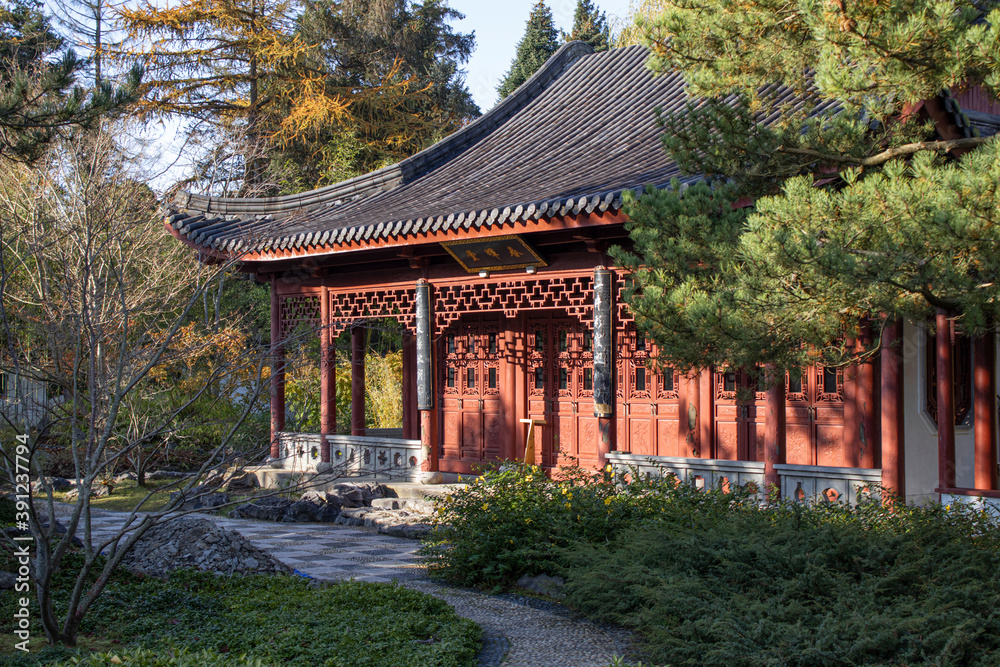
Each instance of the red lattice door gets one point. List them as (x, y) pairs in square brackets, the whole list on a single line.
[(739, 415), (648, 401), (561, 389), (473, 424), (814, 417)]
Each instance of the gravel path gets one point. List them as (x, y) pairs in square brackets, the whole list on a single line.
[(518, 631)]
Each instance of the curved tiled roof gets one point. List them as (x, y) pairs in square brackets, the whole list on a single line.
[(573, 138)]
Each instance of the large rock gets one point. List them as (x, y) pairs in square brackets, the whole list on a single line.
[(263, 509), (199, 498), (166, 474), (240, 479), (99, 491), (57, 484), (398, 523), (357, 495), (192, 542)]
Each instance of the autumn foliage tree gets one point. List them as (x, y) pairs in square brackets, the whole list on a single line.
[(825, 203)]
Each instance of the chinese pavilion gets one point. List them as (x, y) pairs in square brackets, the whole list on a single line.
[(489, 247)]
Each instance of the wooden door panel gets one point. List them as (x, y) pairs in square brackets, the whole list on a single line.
[(830, 444), (798, 443), (588, 438), (639, 439), (666, 436), (495, 431), (726, 440)]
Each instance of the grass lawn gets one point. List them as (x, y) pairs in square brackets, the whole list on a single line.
[(127, 495)]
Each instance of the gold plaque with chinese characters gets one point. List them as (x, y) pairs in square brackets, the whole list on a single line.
[(497, 253)]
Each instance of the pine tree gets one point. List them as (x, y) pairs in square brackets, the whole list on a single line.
[(39, 97), (858, 213), (590, 25), (537, 46)]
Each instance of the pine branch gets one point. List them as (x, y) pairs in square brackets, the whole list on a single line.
[(889, 154)]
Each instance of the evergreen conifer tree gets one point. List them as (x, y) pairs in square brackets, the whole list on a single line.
[(538, 44), (826, 204), (590, 25)]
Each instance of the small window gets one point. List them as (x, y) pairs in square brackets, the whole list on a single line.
[(668, 379), (829, 380), (563, 341), (640, 379), (493, 343), (451, 344), (472, 344), (563, 378), (588, 341), (795, 381), (470, 378), (493, 378), (540, 340), (539, 378), (588, 379), (729, 381), (640, 342), (451, 378)]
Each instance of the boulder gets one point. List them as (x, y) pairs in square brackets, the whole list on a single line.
[(263, 509), (192, 542), (57, 484), (386, 503), (543, 584), (240, 479), (166, 474), (98, 491), (125, 477), (199, 498)]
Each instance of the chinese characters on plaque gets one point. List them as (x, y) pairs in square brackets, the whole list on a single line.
[(497, 253)]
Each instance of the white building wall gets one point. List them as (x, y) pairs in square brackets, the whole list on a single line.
[(920, 437)]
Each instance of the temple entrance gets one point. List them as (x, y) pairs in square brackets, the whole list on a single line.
[(474, 429), (560, 388), (648, 400), (814, 416)]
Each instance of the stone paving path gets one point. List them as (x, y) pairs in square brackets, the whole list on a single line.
[(519, 631)]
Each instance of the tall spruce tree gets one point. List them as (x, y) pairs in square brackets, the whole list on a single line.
[(859, 213), (590, 25), (538, 44)]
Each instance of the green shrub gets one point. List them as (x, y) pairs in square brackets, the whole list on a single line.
[(515, 520), (795, 585), (167, 657)]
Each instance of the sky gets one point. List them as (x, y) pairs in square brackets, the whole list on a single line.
[(499, 26)]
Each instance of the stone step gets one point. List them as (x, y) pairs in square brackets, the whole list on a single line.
[(417, 491)]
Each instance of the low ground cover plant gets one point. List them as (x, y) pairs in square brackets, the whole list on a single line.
[(199, 618), (713, 578)]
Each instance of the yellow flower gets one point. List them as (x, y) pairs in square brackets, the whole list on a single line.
[(607, 501), (608, 467), (568, 506), (569, 496), (527, 520), (486, 506), (565, 490)]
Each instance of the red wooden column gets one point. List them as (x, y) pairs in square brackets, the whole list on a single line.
[(984, 358), (327, 379), (277, 371), (774, 428), (945, 402), (865, 397), (358, 380), (409, 385), (851, 456), (893, 455), (706, 413), (508, 390)]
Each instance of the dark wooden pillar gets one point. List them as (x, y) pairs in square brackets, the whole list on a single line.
[(410, 425), (327, 378), (893, 453), (774, 428), (426, 371), (358, 345), (605, 299), (852, 418), (277, 371), (706, 413), (945, 402), (984, 356)]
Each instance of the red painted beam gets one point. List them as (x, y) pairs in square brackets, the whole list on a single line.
[(358, 344), (984, 378), (945, 401), (774, 428), (893, 456), (277, 372), (327, 380)]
